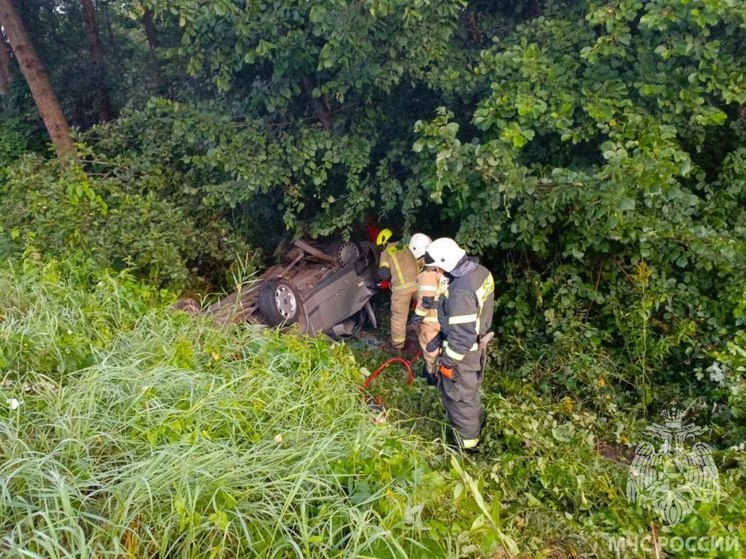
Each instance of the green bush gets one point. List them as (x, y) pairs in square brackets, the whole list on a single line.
[(16, 138), (600, 171), (554, 467), (63, 210)]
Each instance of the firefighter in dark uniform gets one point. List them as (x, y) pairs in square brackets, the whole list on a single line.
[(465, 315)]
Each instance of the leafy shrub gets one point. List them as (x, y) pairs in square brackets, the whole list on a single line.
[(61, 210), (16, 138), (554, 470), (212, 164), (600, 173)]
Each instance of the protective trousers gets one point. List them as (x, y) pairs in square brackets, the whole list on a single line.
[(461, 397), (428, 330), (401, 301)]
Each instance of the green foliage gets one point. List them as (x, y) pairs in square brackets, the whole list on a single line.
[(554, 469), (58, 315), (62, 211), (297, 123), (606, 179), (592, 153), (15, 140), (21, 127), (218, 165), (326, 39), (147, 432)]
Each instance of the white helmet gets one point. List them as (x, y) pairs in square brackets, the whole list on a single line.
[(418, 244), (444, 253)]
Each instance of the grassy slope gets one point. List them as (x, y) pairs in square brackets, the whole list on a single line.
[(154, 435), (145, 433)]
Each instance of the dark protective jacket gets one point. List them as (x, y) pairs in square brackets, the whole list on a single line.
[(465, 313)]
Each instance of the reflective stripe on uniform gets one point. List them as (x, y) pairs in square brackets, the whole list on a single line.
[(409, 285), (487, 287), (452, 354), (427, 296), (397, 268), (470, 443), (463, 319)]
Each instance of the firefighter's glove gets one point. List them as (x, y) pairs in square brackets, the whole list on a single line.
[(434, 344), (383, 274)]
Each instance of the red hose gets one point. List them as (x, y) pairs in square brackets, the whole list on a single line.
[(407, 366)]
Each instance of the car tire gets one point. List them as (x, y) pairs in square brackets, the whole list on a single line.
[(279, 302), (346, 252)]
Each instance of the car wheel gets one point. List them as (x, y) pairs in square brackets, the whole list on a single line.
[(279, 302), (346, 252)]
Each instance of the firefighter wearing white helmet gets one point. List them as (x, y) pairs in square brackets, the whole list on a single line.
[(430, 284), (418, 244), (398, 266), (465, 316)]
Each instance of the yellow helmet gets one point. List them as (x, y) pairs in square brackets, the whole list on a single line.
[(383, 237)]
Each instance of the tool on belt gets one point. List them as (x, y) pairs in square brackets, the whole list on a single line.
[(445, 371), (483, 343), (485, 340)]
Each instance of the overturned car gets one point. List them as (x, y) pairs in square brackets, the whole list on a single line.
[(318, 287)]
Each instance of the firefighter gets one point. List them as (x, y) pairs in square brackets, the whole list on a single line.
[(465, 316), (399, 267), (425, 317)]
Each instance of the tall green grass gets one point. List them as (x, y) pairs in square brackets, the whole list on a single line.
[(148, 433), (131, 431)]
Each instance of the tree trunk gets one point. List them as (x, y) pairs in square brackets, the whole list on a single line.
[(105, 110), (38, 81), (109, 30), (150, 32), (5, 76), (149, 25)]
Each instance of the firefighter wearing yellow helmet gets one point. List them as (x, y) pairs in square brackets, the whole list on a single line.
[(383, 238), (398, 266)]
